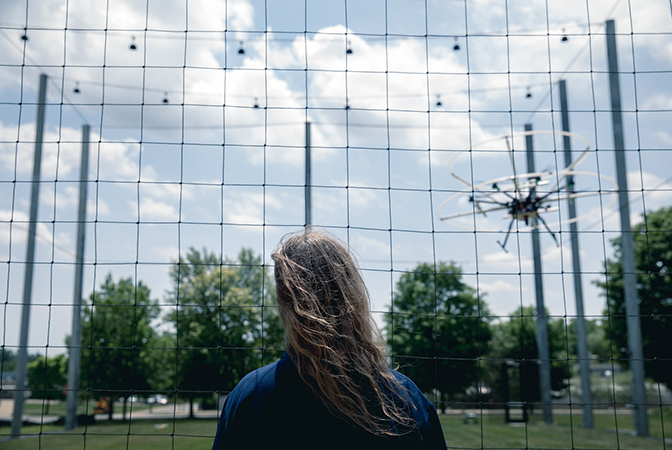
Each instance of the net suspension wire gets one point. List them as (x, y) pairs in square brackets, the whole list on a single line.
[(351, 229)]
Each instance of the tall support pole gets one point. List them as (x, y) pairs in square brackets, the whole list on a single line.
[(640, 419), (541, 322), (581, 335), (22, 356), (75, 357), (308, 200)]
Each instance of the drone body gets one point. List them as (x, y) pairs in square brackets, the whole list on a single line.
[(524, 198)]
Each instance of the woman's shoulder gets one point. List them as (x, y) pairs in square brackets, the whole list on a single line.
[(408, 384), (420, 404), (423, 412), (257, 383)]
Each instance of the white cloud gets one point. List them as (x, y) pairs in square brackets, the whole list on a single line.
[(662, 101), (362, 198), (152, 210), (165, 252), (19, 229), (654, 191), (369, 91), (247, 207), (366, 247), (64, 155), (499, 286)]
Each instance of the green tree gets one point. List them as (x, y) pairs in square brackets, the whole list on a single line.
[(117, 337), (8, 360), (161, 361), (598, 344), (46, 378), (653, 260), (224, 321), (515, 340), (438, 329)]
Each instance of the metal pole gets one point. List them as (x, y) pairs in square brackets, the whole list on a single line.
[(22, 356), (581, 335), (75, 356), (541, 322), (640, 419), (308, 201)]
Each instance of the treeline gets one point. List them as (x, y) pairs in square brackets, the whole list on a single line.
[(442, 334), (218, 321)]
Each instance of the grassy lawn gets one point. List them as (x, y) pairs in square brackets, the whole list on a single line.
[(492, 432), (488, 434), (621, 421), (140, 434)]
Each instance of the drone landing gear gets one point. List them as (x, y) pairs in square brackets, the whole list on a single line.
[(506, 238), (541, 219), (508, 233)]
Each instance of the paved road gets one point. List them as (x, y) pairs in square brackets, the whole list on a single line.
[(170, 411)]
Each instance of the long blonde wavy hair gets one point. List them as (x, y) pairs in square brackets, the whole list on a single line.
[(331, 336)]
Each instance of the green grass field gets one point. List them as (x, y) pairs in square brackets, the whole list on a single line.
[(567, 433), (491, 432), (139, 434)]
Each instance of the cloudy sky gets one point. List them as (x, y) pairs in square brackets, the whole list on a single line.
[(195, 143)]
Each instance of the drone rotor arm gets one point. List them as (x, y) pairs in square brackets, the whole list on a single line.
[(471, 213), (478, 205), (489, 195), (475, 187), (489, 202)]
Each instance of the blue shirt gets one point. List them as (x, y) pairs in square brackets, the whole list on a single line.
[(273, 408)]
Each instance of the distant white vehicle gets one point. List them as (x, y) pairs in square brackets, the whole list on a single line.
[(157, 399)]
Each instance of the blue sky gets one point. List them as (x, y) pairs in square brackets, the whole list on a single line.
[(232, 174)]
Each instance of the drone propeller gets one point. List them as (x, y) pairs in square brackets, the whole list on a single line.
[(562, 174), (572, 196), (517, 192), (526, 182)]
